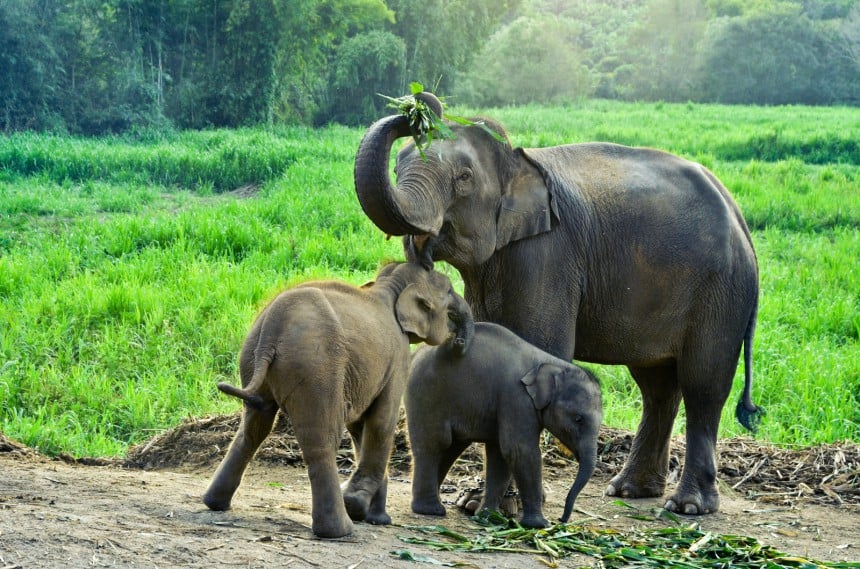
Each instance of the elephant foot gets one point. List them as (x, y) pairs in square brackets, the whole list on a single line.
[(694, 503), (534, 521), (217, 501), (378, 518), (357, 504), (358, 508), (472, 499), (332, 528), (429, 508), (626, 485)]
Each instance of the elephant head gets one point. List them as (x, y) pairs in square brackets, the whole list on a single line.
[(427, 307), (568, 399), (461, 200)]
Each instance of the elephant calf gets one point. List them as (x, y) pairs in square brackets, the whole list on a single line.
[(503, 393), (331, 355)]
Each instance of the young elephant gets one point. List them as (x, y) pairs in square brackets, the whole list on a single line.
[(502, 393), (331, 355)]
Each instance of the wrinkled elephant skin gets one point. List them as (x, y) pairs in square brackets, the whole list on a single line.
[(503, 393), (333, 356), (598, 252)]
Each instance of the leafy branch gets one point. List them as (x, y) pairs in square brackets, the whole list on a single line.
[(424, 124)]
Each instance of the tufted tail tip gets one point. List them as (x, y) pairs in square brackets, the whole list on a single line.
[(749, 415)]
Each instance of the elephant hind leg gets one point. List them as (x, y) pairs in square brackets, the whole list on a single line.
[(356, 507), (367, 491), (319, 430), (697, 490), (429, 468), (644, 474), (255, 427)]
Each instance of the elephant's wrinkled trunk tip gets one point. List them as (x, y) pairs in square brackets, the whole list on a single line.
[(459, 346), (568, 506), (419, 249), (432, 102), (587, 463)]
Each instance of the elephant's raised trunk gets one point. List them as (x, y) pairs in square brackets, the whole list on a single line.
[(392, 209), (587, 462)]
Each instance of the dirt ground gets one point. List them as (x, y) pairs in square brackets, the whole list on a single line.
[(145, 510)]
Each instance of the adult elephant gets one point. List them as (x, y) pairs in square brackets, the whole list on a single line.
[(598, 252)]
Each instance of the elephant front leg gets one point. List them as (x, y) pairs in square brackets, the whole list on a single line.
[(527, 473), (644, 474), (255, 427)]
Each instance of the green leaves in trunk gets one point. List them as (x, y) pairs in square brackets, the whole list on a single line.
[(424, 124)]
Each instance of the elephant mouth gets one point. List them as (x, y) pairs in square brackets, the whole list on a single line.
[(419, 248), (419, 241)]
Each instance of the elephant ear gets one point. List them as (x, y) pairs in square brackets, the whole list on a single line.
[(527, 207), (413, 309), (541, 384)]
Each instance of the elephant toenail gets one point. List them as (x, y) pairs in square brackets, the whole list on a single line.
[(691, 509), (610, 490)]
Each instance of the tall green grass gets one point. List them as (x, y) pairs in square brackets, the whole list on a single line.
[(130, 270), (813, 135), (218, 160)]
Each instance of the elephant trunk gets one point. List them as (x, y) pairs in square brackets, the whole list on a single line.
[(461, 315), (587, 463), (396, 211)]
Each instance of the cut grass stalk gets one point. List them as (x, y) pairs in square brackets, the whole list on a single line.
[(679, 546)]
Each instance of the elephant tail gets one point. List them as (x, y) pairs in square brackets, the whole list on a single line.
[(250, 394), (747, 413)]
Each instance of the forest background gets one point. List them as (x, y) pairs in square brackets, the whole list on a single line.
[(106, 66)]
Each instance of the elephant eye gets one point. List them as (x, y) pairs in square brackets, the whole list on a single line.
[(425, 305), (464, 176), (577, 419)]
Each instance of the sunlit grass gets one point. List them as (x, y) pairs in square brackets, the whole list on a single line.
[(130, 271), (814, 135)]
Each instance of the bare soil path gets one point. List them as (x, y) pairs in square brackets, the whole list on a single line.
[(145, 510)]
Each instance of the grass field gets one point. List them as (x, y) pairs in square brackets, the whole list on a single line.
[(131, 268)]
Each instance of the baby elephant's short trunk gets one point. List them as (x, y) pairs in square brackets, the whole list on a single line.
[(587, 462)]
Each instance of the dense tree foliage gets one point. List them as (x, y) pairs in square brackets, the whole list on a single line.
[(543, 53), (777, 56), (366, 65), (730, 51), (96, 66)]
